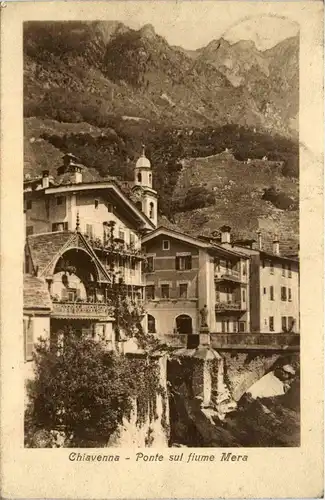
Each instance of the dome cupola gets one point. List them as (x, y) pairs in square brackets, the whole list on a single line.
[(142, 171)]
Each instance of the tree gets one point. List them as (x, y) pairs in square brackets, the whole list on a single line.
[(79, 387)]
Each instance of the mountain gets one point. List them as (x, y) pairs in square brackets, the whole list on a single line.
[(100, 89), (271, 77)]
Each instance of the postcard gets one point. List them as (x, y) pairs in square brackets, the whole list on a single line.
[(162, 243)]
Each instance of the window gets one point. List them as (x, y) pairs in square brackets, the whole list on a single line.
[(289, 295), (29, 230), (289, 271), (121, 234), (166, 245), (217, 264), (139, 177), (244, 268), (244, 295), (271, 323), (291, 323), (284, 324), (59, 226), (225, 326), (271, 268), (183, 290), (283, 270), (271, 292), (132, 267), (132, 239), (151, 211), (29, 204), (150, 179), (183, 263), (150, 292), (235, 327), (242, 326), (264, 291), (165, 291), (28, 338), (96, 203), (150, 265), (89, 230), (283, 293), (151, 324), (59, 200)]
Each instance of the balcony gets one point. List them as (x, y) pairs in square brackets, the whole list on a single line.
[(221, 307), (81, 310), (227, 275)]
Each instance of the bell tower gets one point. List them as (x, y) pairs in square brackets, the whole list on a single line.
[(146, 197)]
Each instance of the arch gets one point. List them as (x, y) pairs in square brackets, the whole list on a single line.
[(151, 322), (139, 177), (184, 324), (80, 259)]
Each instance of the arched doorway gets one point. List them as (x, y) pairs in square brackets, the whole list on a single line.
[(151, 324), (184, 324)]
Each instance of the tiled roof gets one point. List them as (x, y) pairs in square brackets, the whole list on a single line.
[(44, 247), (36, 294)]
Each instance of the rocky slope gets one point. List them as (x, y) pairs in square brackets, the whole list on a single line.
[(99, 90)]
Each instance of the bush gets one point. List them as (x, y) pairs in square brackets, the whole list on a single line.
[(279, 199), (82, 388), (197, 197)]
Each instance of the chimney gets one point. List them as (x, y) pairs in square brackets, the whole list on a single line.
[(276, 246), (45, 179), (76, 174), (259, 240), (225, 234)]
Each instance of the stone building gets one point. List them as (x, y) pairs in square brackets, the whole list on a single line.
[(194, 286), (274, 285), (83, 236)]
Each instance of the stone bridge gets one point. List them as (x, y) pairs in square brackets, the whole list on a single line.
[(236, 341), (211, 378)]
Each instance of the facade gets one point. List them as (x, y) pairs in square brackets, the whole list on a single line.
[(194, 286), (83, 237), (274, 286)]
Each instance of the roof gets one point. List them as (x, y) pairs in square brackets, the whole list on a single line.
[(255, 251), (191, 240), (113, 186), (36, 294), (44, 247)]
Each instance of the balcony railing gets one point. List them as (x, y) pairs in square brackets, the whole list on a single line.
[(255, 340), (81, 310), (227, 275), (229, 306)]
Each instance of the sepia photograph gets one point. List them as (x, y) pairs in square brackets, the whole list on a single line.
[(161, 260), (162, 249)]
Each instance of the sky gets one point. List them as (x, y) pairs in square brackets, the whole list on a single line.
[(192, 24)]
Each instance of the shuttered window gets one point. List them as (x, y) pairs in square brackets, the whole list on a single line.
[(28, 338)]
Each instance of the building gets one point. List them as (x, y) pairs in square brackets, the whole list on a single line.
[(194, 286), (83, 237), (274, 285)]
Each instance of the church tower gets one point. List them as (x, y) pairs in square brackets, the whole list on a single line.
[(146, 197)]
